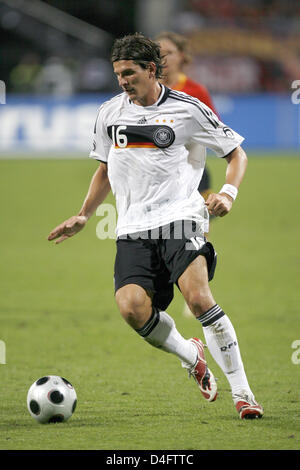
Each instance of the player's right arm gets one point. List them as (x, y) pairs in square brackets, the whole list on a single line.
[(98, 190)]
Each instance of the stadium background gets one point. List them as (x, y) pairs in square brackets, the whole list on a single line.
[(55, 64), (56, 303)]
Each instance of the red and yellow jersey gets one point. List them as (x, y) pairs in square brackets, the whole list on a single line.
[(197, 90)]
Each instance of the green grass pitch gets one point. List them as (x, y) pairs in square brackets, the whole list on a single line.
[(58, 316)]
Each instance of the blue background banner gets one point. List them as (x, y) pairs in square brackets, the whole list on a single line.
[(35, 124)]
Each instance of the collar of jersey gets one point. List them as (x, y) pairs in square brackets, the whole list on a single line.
[(161, 99)]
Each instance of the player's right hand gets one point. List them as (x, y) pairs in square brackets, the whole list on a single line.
[(68, 228)]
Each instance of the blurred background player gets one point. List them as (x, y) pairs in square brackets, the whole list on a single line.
[(175, 49)]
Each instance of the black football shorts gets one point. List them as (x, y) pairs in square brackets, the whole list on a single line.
[(155, 259)]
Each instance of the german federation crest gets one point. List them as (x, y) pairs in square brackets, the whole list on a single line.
[(163, 136)]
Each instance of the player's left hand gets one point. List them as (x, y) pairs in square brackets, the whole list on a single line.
[(219, 204)]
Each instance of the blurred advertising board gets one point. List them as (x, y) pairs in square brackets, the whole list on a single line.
[(37, 125)]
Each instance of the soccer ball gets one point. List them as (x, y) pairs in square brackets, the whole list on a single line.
[(51, 399)]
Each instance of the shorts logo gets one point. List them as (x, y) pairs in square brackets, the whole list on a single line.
[(163, 136), (195, 243)]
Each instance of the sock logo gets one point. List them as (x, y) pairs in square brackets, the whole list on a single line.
[(218, 328), (225, 348)]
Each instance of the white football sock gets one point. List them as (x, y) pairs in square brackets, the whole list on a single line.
[(222, 343), (160, 331)]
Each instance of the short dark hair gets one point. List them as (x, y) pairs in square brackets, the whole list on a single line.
[(140, 49)]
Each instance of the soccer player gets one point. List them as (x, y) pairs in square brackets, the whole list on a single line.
[(139, 140), (175, 51)]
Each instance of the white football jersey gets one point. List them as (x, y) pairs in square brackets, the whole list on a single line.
[(153, 176)]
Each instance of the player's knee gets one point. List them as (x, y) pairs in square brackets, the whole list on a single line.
[(199, 302), (133, 303)]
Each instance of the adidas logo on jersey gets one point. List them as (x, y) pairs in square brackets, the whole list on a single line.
[(143, 120)]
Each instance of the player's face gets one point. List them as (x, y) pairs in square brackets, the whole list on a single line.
[(134, 80), (172, 56)]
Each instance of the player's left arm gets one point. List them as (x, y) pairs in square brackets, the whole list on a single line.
[(221, 203)]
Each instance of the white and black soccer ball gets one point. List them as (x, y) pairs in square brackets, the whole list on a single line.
[(51, 399)]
